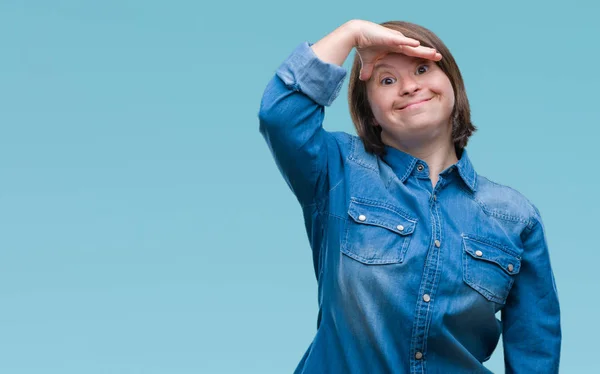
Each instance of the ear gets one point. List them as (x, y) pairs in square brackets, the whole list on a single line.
[(374, 122)]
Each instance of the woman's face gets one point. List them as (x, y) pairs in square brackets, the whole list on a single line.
[(411, 99)]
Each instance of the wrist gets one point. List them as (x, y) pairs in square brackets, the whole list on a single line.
[(351, 29), (335, 47)]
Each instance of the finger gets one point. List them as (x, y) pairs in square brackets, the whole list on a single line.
[(423, 52), (407, 41), (403, 40), (365, 72)]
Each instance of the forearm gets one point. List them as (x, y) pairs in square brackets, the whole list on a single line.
[(291, 115), (337, 45), (531, 315)]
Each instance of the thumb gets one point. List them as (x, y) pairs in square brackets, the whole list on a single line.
[(365, 72)]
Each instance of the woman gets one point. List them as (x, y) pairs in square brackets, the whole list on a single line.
[(414, 252)]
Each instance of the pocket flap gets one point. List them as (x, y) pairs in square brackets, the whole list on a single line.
[(370, 213), (493, 252)]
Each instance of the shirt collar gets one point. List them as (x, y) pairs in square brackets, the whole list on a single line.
[(403, 165), (467, 171)]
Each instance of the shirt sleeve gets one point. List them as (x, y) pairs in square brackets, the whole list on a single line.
[(531, 316), (291, 117)]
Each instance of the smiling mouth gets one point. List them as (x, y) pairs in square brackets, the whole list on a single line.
[(413, 104)]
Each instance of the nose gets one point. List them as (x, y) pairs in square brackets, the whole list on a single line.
[(408, 86)]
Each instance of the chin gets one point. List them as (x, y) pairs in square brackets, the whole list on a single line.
[(416, 129), (418, 124)]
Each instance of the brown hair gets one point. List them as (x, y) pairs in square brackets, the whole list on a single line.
[(360, 110)]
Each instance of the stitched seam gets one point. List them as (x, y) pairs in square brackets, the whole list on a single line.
[(335, 215), (440, 221), (492, 262), (373, 261), (482, 290), (531, 207), (337, 184), (418, 309), (531, 225), (409, 170), (493, 213), (435, 280), (384, 224), (493, 244), (380, 204), (358, 160), (492, 295)]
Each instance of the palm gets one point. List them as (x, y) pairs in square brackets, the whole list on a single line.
[(375, 41)]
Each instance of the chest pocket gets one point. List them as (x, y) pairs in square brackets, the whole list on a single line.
[(489, 268), (377, 233)]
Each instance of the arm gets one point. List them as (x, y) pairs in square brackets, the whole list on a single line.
[(531, 317), (292, 110)]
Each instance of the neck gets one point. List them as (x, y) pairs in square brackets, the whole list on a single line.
[(438, 153)]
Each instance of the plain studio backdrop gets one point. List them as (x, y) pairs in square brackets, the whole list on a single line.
[(144, 226)]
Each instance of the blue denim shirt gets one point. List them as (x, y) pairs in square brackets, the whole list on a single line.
[(410, 277)]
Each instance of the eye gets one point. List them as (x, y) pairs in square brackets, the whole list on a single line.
[(422, 69), (387, 81)]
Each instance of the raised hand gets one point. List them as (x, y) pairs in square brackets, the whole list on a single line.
[(373, 41)]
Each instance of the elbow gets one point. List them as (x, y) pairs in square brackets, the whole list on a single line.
[(266, 117), (270, 114)]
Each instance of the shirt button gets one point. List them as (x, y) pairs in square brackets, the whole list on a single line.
[(434, 197), (400, 228), (510, 267), (362, 217), (420, 167), (478, 253), (418, 355), (437, 243), (426, 298)]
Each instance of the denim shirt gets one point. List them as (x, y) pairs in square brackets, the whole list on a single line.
[(411, 278)]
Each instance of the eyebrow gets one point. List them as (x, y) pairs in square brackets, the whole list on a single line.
[(417, 61)]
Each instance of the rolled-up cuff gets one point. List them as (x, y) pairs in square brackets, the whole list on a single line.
[(303, 71)]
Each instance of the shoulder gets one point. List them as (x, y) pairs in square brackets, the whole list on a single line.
[(345, 143), (504, 202), (343, 138)]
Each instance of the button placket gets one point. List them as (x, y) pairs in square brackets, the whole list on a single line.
[(429, 280)]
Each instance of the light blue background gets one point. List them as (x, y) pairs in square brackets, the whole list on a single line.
[(144, 227)]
